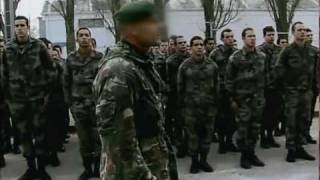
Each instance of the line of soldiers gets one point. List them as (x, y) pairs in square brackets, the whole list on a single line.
[(142, 105)]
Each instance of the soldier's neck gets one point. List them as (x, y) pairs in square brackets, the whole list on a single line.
[(197, 59), (300, 43), (138, 47), (84, 51), (22, 40)]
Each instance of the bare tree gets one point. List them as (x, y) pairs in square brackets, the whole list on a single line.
[(282, 13), (66, 9), (218, 14)]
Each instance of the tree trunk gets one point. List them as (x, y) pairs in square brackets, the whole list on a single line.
[(115, 6), (160, 4), (69, 23), (208, 17)]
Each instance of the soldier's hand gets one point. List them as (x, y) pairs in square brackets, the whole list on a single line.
[(150, 177), (234, 106)]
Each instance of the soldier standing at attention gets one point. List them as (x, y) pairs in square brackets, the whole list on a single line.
[(198, 90), (273, 96), (225, 122), (130, 117), (295, 70), (173, 121), (3, 110), (29, 82), (309, 138), (79, 72), (209, 45), (245, 84)]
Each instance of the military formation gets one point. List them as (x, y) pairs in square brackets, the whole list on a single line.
[(146, 101)]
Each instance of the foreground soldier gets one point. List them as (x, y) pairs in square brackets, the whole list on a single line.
[(173, 121), (79, 72), (273, 96), (295, 70), (245, 83), (198, 91), (3, 112), (29, 83), (130, 118), (225, 122)]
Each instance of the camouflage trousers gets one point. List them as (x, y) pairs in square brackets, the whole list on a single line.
[(199, 121), (121, 165), (3, 118), (29, 118), (83, 112), (297, 111), (248, 117), (312, 107)]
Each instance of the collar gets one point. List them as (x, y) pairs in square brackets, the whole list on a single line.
[(247, 51), (130, 51)]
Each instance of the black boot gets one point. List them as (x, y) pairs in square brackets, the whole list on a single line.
[(310, 140), (214, 138), (204, 165), (96, 169), (291, 156), (31, 172), (42, 173), (264, 143), (272, 143), (194, 168), (302, 154), (277, 132), (230, 145), (2, 161), (53, 159), (16, 148), (244, 161), (87, 173), (254, 160), (222, 145), (182, 152)]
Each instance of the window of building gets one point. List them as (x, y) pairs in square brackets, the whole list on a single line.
[(91, 23)]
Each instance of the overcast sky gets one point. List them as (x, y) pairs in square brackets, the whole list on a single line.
[(31, 9)]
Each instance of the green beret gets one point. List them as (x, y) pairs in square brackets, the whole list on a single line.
[(135, 11)]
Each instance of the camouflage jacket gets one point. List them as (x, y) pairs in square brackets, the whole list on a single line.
[(220, 56), (78, 76), (272, 54), (57, 94), (246, 73), (173, 62), (160, 65), (130, 118), (295, 67), (30, 71), (198, 83)]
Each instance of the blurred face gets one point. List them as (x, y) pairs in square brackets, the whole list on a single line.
[(283, 43), (210, 45), (309, 37), (164, 47), (250, 39), (84, 38), (55, 55), (21, 28), (228, 39), (181, 45), (197, 48), (1, 47), (146, 32), (269, 37), (299, 32)]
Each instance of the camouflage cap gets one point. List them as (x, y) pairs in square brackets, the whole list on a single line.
[(135, 11)]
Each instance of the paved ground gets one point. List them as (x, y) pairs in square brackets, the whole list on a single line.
[(226, 166)]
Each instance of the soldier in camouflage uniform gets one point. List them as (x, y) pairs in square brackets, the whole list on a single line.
[(273, 96), (209, 45), (160, 60), (315, 92), (130, 118), (198, 91), (79, 72), (174, 123), (3, 114), (295, 71), (245, 84), (225, 122), (28, 84)]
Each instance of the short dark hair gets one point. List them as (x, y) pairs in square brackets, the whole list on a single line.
[(195, 38), (244, 32), (293, 27), (175, 40), (279, 39), (308, 30), (94, 42), (22, 18), (45, 41), (83, 28), (224, 31), (57, 47), (207, 40), (267, 29)]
